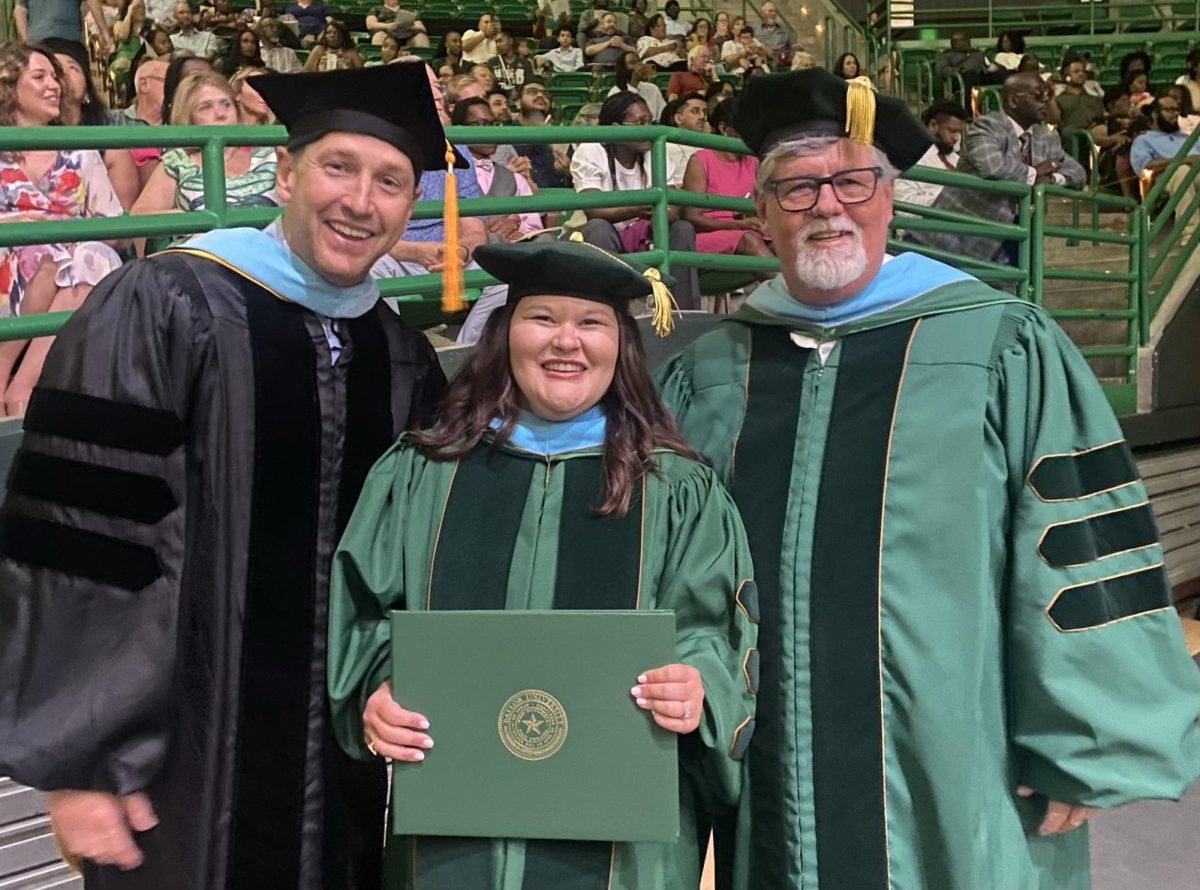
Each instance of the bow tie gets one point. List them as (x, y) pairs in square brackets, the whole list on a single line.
[(483, 164)]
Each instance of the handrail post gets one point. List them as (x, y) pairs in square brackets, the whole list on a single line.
[(213, 174), (1029, 252), (660, 223), (1146, 306)]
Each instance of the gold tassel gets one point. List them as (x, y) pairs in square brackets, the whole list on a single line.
[(452, 286), (860, 110), (661, 303)]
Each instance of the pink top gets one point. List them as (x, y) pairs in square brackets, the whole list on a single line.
[(734, 179)]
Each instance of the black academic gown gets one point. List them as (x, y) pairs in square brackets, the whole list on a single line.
[(190, 460)]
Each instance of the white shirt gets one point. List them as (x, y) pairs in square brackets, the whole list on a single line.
[(590, 171), (483, 51), (652, 94), (202, 43), (662, 60), (564, 59), (161, 12), (677, 158), (677, 27), (925, 193)]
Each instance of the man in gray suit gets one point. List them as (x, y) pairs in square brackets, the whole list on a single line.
[(1013, 144)]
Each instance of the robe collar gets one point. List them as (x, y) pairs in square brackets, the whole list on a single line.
[(265, 257), (546, 437)]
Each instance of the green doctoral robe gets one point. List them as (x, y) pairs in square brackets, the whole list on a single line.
[(503, 528), (961, 587)]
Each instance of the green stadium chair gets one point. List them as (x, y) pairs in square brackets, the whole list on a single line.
[(570, 95), (721, 281), (1138, 19), (570, 79)]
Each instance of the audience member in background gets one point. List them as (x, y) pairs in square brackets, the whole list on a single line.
[(565, 56), (276, 56), (658, 49), (1014, 145), (589, 22), (1187, 111), (479, 44), (391, 50), (158, 44), (971, 64), (639, 20), (632, 77), (1030, 64), (334, 50), (1118, 132), (220, 20), (178, 183), (945, 123), (483, 74), (187, 37), (1153, 151), (1137, 82), (389, 18), (161, 12), (699, 74), (1009, 50), (1090, 85), (450, 53), (746, 54), (701, 33), (1078, 109), (496, 180), (847, 66), (81, 105), (607, 47), (718, 91), (718, 172), (146, 107), (127, 45), (549, 165), (509, 69), (43, 19), (463, 86), (245, 52), (625, 166), (687, 112), (775, 35), (497, 99), (676, 25), (1132, 63), (252, 108), (721, 31), (802, 60), (44, 185), (312, 17), (1191, 80)]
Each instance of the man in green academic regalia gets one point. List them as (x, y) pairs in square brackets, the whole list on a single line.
[(967, 640)]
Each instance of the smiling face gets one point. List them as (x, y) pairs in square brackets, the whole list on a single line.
[(39, 93), (831, 251), (563, 354), (347, 200)]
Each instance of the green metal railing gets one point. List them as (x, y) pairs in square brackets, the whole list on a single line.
[(1143, 275), (1093, 19)]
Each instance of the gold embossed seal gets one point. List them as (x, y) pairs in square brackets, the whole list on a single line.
[(532, 725)]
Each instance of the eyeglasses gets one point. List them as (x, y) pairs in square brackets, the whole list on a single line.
[(800, 193)]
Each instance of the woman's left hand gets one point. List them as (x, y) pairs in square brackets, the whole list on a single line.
[(674, 696)]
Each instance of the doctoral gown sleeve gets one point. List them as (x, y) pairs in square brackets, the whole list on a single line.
[(367, 583), (708, 582), (1102, 693), (91, 542)]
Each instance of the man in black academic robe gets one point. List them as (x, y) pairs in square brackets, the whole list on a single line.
[(198, 440)]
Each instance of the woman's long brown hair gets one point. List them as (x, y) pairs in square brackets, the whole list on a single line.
[(636, 421)]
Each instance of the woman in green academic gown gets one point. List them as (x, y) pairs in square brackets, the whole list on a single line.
[(555, 479)]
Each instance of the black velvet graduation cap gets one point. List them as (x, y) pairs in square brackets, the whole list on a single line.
[(813, 102), (393, 103), (577, 269)]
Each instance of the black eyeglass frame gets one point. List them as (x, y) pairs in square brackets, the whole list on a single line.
[(820, 182)]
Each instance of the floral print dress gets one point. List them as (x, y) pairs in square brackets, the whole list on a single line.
[(76, 186)]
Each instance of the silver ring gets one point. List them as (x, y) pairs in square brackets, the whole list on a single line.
[(687, 711)]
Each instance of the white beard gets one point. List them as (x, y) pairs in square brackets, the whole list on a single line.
[(824, 268)]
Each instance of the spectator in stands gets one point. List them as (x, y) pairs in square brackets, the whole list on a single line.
[(607, 47), (178, 183), (802, 60), (847, 66), (391, 50), (245, 52), (1153, 151), (944, 120), (657, 49), (1114, 138), (199, 43), (686, 112), (1015, 145), (745, 53), (775, 35), (463, 86), (699, 74), (717, 93), (563, 57), (639, 21), (1191, 80), (718, 172), (1030, 64), (276, 56), (44, 185), (624, 166), (146, 107), (1009, 50), (158, 44), (389, 18), (970, 64), (497, 98), (632, 77), (701, 33), (509, 69), (182, 67), (483, 74), (1078, 109), (221, 20), (676, 26), (334, 50), (589, 22), (312, 17), (721, 31), (1187, 111), (41, 19), (1134, 62), (479, 44), (496, 180), (450, 54), (1137, 83), (549, 165), (252, 108), (128, 45)]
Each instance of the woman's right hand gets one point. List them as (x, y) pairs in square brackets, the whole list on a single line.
[(391, 731)]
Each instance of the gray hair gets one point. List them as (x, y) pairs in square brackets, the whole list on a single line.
[(806, 146)]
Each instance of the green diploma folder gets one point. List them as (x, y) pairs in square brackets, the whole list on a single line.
[(535, 732)]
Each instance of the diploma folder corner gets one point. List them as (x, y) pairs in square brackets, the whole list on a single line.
[(535, 732)]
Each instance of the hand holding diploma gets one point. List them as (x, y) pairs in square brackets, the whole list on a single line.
[(674, 695), (391, 731)]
